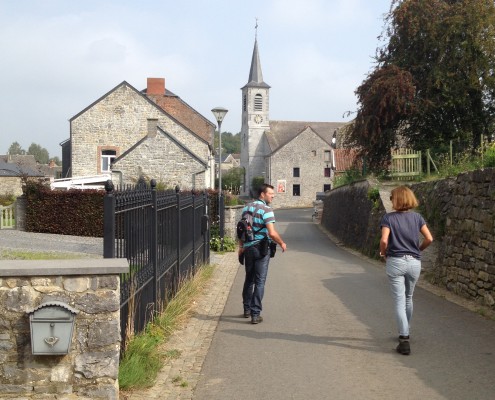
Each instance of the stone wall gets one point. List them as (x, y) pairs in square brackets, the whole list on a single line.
[(461, 215), (305, 152), (349, 215), (10, 185), (90, 369), (118, 122), (461, 212), (232, 215)]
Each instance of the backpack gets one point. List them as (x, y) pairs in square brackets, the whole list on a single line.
[(245, 232)]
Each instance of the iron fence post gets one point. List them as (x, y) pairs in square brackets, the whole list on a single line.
[(154, 244), (177, 273), (206, 233), (109, 221), (193, 232)]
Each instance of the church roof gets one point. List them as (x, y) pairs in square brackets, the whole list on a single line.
[(282, 132), (255, 74)]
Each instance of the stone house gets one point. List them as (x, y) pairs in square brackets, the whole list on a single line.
[(296, 157), (151, 133), (15, 168)]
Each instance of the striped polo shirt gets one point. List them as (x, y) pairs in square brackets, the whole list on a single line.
[(262, 215)]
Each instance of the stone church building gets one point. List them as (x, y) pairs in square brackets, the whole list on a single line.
[(151, 133), (296, 157)]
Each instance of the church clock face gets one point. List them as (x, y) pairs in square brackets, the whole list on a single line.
[(258, 119)]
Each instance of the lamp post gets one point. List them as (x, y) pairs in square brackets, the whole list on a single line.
[(219, 113)]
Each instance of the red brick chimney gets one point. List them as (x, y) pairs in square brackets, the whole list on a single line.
[(156, 86)]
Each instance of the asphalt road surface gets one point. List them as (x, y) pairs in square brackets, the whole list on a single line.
[(329, 333)]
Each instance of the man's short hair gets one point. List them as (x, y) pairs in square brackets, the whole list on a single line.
[(263, 188)]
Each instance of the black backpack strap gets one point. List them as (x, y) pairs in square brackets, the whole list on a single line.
[(255, 232)]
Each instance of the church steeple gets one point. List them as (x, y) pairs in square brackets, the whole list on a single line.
[(255, 74), (255, 122)]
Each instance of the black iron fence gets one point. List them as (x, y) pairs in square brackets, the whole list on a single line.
[(164, 235)]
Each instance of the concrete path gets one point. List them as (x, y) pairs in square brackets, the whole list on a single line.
[(329, 333)]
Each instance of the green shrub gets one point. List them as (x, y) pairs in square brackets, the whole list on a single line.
[(7, 199), (229, 244), (348, 177), (374, 197), (489, 156)]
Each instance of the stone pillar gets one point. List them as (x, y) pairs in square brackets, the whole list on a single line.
[(90, 369)]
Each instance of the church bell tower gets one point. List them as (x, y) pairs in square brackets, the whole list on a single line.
[(255, 121)]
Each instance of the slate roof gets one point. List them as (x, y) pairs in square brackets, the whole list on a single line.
[(255, 75), (282, 132), (11, 169)]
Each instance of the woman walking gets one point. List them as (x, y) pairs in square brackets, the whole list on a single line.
[(400, 245)]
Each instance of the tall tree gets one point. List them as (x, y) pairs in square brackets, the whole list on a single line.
[(16, 149), (40, 153), (230, 143), (447, 48)]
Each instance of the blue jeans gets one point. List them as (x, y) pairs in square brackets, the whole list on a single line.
[(403, 274), (256, 267)]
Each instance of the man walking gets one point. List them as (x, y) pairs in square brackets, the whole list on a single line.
[(257, 252)]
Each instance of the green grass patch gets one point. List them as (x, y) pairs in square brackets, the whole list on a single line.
[(36, 255), (142, 358)]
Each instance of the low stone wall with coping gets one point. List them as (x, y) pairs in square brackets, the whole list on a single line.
[(90, 369), (459, 211)]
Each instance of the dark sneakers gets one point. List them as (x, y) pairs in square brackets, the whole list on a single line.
[(256, 319), (247, 313), (404, 348)]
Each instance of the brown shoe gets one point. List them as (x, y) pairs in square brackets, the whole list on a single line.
[(256, 319)]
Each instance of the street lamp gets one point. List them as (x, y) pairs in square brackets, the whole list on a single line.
[(219, 113)]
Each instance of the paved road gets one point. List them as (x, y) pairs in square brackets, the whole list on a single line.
[(44, 242), (329, 333)]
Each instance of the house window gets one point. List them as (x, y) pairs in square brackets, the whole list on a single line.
[(295, 174), (314, 153), (327, 156), (296, 190), (258, 102), (107, 157), (327, 187), (244, 103), (326, 173)]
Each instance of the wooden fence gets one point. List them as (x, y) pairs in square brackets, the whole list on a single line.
[(406, 164), (7, 220)]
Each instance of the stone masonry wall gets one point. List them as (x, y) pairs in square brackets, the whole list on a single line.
[(120, 120), (353, 218), (10, 185), (299, 154), (90, 370), (461, 215), (160, 159)]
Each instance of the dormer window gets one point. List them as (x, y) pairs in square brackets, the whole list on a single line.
[(258, 102)]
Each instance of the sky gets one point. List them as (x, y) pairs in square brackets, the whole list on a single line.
[(59, 56)]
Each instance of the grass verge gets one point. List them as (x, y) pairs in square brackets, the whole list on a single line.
[(142, 358), (36, 255)]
